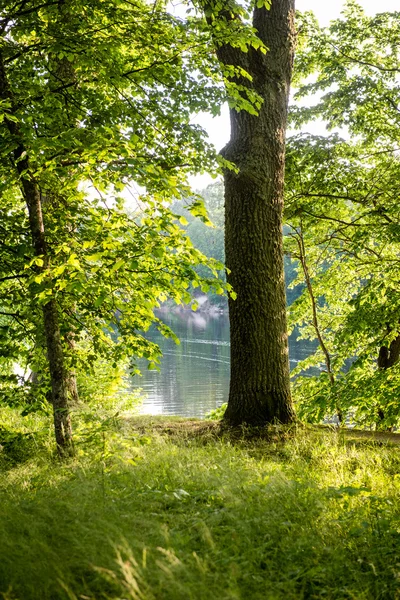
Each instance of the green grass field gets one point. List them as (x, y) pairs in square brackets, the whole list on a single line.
[(174, 509)]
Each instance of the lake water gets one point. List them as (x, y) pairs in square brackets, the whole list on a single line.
[(194, 376)]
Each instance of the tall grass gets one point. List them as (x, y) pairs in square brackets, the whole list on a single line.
[(154, 510)]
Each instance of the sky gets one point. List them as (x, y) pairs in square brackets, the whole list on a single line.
[(325, 10)]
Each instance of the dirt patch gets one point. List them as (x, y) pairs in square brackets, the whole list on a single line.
[(178, 427), (185, 428), (197, 429)]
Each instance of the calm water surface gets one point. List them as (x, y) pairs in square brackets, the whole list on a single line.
[(194, 376)]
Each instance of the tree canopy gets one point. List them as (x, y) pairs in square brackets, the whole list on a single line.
[(342, 206), (97, 142), (95, 96)]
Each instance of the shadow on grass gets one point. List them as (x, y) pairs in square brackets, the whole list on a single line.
[(16, 447), (200, 513)]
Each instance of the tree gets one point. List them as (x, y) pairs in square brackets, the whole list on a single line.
[(338, 204), (78, 109), (342, 201), (259, 74)]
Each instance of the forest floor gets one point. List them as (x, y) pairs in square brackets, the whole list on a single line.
[(195, 427), (176, 509)]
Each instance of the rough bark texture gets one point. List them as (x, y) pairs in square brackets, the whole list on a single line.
[(55, 354), (59, 379), (64, 72), (48, 204), (260, 386), (31, 193)]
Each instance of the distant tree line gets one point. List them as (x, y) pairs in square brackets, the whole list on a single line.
[(210, 240)]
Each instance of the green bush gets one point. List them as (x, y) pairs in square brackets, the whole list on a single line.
[(218, 413)]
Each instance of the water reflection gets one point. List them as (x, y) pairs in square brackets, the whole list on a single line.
[(194, 376)]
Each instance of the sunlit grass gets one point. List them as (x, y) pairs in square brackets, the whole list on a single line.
[(169, 509)]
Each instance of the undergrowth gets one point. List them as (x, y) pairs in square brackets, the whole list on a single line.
[(156, 509)]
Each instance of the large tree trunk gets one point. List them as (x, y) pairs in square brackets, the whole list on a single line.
[(260, 385), (55, 354)]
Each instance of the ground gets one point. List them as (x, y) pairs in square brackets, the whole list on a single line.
[(156, 508)]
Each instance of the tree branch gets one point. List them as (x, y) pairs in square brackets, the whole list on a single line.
[(8, 277)]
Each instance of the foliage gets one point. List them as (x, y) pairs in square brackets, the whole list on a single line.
[(161, 511), (210, 240), (217, 413), (95, 96), (108, 279), (207, 236), (342, 209)]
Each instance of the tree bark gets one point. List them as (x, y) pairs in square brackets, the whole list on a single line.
[(259, 385), (388, 357), (72, 384), (55, 354), (48, 203)]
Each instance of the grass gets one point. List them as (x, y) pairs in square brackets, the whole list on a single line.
[(175, 509)]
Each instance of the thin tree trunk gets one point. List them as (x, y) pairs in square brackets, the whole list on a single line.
[(65, 72), (48, 202), (73, 393), (307, 278), (260, 385), (59, 380), (55, 355)]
